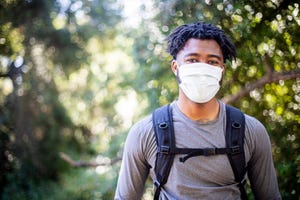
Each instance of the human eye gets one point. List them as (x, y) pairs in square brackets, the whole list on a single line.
[(214, 62), (191, 60)]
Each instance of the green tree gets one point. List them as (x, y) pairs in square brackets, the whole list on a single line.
[(44, 46)]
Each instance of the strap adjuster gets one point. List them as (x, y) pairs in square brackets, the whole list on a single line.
[(235, 150), (165, 149)]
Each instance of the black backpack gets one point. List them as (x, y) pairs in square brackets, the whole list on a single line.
[(166, 148)]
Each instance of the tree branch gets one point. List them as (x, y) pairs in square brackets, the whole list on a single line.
[(267, 65), (270, 77), (4, 75), (80, 163)]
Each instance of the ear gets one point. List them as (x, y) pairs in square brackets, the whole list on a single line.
[(174, 67)]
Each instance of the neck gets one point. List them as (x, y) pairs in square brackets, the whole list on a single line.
[(199, 111)]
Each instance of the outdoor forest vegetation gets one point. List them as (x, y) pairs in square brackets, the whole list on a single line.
[(76, 74)]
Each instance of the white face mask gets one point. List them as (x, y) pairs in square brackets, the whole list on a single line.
[(199, 81)]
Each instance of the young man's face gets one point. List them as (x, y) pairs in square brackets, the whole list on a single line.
[(196, 50)]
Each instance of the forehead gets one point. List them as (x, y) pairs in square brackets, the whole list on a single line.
[(200, 47)]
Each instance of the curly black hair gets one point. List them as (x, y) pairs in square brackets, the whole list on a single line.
[(200, 30)]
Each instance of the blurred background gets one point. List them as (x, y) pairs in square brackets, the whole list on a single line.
[(76, 74)]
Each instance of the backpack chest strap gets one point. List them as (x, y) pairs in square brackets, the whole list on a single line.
[(192, 152)]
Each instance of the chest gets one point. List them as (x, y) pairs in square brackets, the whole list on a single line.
[(199, 170)]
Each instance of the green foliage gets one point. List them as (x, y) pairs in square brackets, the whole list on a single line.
[(78, 185), (51, 41)]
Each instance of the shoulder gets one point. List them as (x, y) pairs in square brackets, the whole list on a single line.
[(141, 138), (141, 129), (254, 127), (256, 136), (253, 123), (143, 124)]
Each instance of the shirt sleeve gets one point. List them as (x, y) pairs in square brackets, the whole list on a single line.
[(261, 171), (134, 168)]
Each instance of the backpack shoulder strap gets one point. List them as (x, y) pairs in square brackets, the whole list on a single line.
[(165, 140), (166, 149), (235, 133)]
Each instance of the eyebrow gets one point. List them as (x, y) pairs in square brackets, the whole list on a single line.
[(209, 55), (214, 56)]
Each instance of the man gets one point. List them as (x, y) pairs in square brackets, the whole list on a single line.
[(199, 53)]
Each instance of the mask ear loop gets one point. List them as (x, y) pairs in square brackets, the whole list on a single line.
[(223, 67), (177, 75), (176, 71)]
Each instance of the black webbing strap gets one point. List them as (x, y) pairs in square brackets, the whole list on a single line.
[(235, 133), (165, 140), (205, 152)]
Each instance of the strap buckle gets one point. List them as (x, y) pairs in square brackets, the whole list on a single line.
[(235, 150)]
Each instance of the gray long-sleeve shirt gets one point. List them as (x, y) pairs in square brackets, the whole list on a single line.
[(199, 177)]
